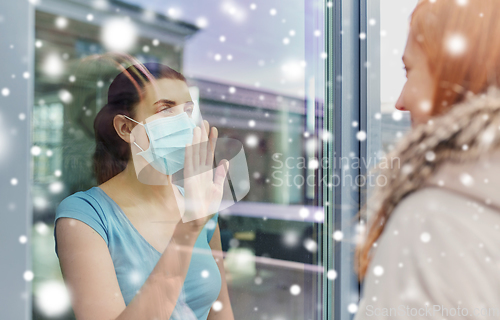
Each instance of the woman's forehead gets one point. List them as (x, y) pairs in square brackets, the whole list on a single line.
[(413, 51), (169, 89)]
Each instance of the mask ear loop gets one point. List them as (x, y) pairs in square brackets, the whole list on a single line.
[(137, 123)]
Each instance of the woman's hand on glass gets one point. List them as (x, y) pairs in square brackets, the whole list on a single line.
[(202, 189)]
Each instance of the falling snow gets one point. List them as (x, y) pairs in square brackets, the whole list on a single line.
[(352, 308), (295, 289), (217, 306), (425, 237), (466, 179), (331, 274), (338, 235), (378, 271), (456, 44), (28, 275)]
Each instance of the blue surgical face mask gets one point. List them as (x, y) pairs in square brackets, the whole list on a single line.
[(168, 137)]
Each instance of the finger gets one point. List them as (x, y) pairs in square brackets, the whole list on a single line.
[(207, 126), (214, 133), (203, 144), (204, 134), (221, 173), (196, 149), (208, 159), (188, 160)]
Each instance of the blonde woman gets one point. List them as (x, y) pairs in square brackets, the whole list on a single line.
[(432, 250)]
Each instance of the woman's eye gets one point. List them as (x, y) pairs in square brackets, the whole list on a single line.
[(166, 110)]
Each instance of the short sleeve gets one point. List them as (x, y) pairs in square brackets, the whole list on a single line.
[(82, 207)]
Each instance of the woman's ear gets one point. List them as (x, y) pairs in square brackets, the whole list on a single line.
[(123, 128)]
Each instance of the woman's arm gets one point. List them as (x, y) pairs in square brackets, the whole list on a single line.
[(90, 276), (226, 313)]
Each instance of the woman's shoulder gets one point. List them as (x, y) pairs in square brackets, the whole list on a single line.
[(440, 226), (81, 200), (441, 203), (88, 205), (85, 207), (434, 237)]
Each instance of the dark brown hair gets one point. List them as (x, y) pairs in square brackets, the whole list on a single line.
[(112, 153)]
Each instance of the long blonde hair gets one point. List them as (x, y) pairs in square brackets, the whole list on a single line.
[(439, 27)]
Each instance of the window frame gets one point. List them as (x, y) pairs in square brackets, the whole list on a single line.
[(352, 95), (17, 220)]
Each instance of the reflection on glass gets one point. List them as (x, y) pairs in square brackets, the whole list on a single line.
[(255, 72)]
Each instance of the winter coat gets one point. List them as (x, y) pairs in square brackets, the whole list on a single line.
[(439, 253)]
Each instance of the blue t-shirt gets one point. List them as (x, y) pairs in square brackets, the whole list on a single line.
[(134, 258)]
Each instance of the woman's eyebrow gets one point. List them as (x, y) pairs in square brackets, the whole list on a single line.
[(164, 101)]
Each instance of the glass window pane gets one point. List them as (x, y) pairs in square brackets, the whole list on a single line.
[(394, 24), (255, 71)]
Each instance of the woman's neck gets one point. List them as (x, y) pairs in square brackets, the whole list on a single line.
[(127, 183)]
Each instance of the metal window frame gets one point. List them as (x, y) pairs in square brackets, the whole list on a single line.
[(352, 95), (17, 56)]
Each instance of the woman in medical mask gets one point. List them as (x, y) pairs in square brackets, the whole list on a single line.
[(132, 249), (432, 246)]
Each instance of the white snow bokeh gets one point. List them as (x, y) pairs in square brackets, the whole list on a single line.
[(425, 237), (295, 289), (28, 275), (61, 22), (119, 35), (397, 115), (291, 238), (456, 44), (378, 271), (135, 277), (23, 239), (56, 187), (52, 298), (53, 65), (331, 274), (430, 156), (252, 141), (310, 245), (361, 135), (466, 179), (338, 235), (65, 96), (352, 308), (217, 306), (425, 105), (304, 212)]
